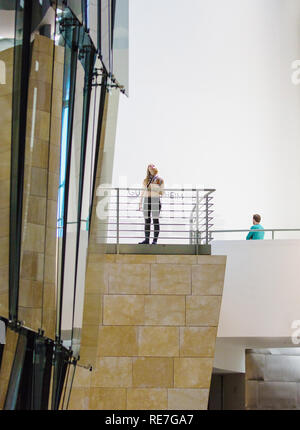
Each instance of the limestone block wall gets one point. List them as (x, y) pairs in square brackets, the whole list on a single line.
[(273, 378), (6, 58), (37, 307), (149, 331)]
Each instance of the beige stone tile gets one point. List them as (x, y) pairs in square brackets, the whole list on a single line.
[(92, 309), (50, 268), (211, 259), (4, 304), (32, 266), (89, 335), (79, 399), (56, 102), (108, 398), (49, 299), (159, 341), (88, 356), (124, 310), (30, 293), (3, 390), (31, 317), (101, 258), (5, 165), (50, 248), (187, 399), (41, 66), (112, 372), (58, 76), (53, 183), (55, 132), (82, 378), (208, 279), (152, 372), (170, 279), (51, 213), (147, 399), (135, 259), (192, 372), (176, 259), (4, 279), (37, 155), (203, 310), (115, 341), (34, 238), (43, 44), (165, 310), (54, 159), (129, 279), (4, 251), (96, 279), (11, 340), (5, 121), (59, 54), (38, 182), (49, 322), (197, 341), (41, 124), (6, 364), (5, 193), (4, 222), (43, 92), (36, 210)]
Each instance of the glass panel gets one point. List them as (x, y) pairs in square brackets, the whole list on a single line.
[(105, 34), (120, 43), (36, 206), (106, 199), (11, 400), (61, 361), (76, 8), (69, 31), (42, 364), (7, 30), (72, 217), (92, 20)]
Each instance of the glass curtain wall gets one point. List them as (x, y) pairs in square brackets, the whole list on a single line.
[(54, 86)]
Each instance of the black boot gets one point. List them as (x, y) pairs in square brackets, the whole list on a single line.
[(147, 232), (156, 231)]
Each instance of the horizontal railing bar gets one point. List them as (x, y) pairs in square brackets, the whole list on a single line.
[(161, 231), (210, 190), (255, 230), (140, 223), (141, 237)]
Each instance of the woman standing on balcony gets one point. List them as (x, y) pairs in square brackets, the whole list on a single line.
[(150, 201)]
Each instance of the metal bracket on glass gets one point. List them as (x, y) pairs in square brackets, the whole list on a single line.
[(66, 23), (15, 325), (96, 74)]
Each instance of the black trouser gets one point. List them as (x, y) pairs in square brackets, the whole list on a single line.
[(153, 206)]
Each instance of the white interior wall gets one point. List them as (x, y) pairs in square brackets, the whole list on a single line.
[(212, 103)]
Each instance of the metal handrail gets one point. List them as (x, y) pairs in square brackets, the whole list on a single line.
[(273, 230), (186, 213)]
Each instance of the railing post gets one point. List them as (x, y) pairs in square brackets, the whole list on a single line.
[(273, 234), (118, 219), (206, 219), (197, 221)]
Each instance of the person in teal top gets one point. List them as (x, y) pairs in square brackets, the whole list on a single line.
[(256, 235)]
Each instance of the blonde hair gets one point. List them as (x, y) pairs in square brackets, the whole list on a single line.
[(148, 174)]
